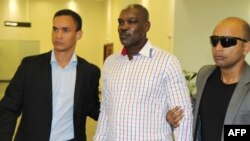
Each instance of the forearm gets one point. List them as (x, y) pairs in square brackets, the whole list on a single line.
[(102, 128), (7, 124), (103, 120), (184, 131)]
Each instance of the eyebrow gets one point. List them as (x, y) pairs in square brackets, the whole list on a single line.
[(64, 27)]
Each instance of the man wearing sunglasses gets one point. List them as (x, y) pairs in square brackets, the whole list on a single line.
[(223, 89)]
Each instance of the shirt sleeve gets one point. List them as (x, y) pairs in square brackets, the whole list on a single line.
[(178, 95), (103, 124)]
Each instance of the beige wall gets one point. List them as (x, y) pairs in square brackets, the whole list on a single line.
[(178, 26), (194, 23), (181, 26), (99, 26), (161, 16), (40, 14), (99, 23)]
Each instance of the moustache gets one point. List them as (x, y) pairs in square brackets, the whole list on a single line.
[(124, 34)]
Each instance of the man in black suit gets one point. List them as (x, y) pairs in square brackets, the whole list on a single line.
[(54, 91)]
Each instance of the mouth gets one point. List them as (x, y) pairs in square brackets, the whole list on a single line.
[(124, 35), (219, 57), (58, 43)]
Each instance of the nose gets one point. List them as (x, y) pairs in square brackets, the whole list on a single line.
[(124, 26), (59, 34)]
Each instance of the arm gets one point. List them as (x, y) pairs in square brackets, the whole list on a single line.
[(103, 126), (11, 105), (178, 95), (7, 123), (94, 99)]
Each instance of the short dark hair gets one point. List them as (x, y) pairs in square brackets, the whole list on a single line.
[(141, 8), (76, 17)]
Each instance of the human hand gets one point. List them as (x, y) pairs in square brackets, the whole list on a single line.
[(174, 116)]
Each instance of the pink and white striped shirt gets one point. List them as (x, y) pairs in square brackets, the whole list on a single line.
[(137, 94)]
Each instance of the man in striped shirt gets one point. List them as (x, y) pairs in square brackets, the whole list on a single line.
[(140, 85)]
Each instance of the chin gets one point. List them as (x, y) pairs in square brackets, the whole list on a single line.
[(60, 49), (125, 43), (223, 66)]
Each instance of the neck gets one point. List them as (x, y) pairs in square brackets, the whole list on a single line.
[(133, 50), (230, 76), (63, 58)]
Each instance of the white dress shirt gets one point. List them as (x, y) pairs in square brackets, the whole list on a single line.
[(63, 86), (137, 94)]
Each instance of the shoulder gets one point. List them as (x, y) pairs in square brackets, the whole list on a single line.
[(165, 57), (113, 58), (207, 68), (161, 53), (205, 71), (37, 58), (84, 64), (245, 78)]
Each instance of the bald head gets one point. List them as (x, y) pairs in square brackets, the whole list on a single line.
[(230, 51), (233, 26), (141, 8)]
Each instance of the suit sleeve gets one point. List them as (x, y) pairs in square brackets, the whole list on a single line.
[(95, 103), (11, 104)]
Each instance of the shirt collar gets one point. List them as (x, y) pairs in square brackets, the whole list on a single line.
[(147, 50), (53, 58)]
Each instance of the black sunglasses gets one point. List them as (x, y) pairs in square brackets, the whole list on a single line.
[(225, 41)]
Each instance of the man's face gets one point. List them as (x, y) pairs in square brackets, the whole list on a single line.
[(230, 56), (132, 27), (64, 34)]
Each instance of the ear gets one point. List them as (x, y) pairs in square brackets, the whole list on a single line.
[(79, 34), (246, 48), (147, 26)]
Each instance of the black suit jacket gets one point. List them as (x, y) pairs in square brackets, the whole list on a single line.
[(30, 94)]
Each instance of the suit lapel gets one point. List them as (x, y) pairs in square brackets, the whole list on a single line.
[(202, 77), (48, 83), (78, 84), (200, 83), (237, 96)]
